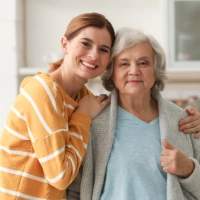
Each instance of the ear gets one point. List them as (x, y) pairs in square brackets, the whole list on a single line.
[(64, 43)]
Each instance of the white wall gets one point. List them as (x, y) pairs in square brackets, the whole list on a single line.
[(46, 21), (11, 44)]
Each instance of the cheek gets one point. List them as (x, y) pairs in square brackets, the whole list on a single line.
[(106, 60), (116, 78)]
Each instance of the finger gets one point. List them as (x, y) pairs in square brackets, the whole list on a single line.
[(197, 135), (167, 145), (192, 130), (164, 164), (165, 152), (102, 97), (188, 120), (164, 158), (106, 102), (167, 169), (190, 110), (192, 125)]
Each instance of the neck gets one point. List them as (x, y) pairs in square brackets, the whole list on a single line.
[(70, 83), (143, 107)]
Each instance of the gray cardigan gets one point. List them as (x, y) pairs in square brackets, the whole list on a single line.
[(90, 179)]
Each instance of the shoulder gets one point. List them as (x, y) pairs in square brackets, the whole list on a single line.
[(106, 120), (40, 81), (168, 107), (102, 118), (83, 92), (174, 109)]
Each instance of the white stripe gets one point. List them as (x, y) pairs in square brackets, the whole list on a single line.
[(24, 174), (49, 157), (73, 165), (19, 194), (31, 135), (53, 180), (18, 113), (85, 145), (76, 135), (21, 153), (15, 133), (79, 137), (37, 111), (48, 91), (77, 153), (68, 106), (60, 130), (67, 127)]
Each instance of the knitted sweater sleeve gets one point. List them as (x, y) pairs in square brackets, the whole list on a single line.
[(59, 135)]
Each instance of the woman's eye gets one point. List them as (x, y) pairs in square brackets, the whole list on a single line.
[(103, 50), (86, 44)]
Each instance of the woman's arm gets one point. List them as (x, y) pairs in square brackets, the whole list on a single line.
[(191, 124)]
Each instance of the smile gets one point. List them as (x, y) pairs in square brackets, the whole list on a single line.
[(134, 81), (88, 65)]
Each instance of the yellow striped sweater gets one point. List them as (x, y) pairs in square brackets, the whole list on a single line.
[(43, 142)]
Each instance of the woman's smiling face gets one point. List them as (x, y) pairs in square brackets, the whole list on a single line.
[(133, 71), (89, 52)]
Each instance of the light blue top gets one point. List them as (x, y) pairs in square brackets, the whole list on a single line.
[(134, 171)]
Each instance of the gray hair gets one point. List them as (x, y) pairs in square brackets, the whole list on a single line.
[(127, 38)]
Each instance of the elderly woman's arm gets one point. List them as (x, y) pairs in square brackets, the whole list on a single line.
[(191, 124)]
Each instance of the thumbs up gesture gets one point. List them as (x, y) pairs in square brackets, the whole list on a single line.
[(175, 162)]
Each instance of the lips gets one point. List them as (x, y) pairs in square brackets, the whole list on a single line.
[(88, 65), (135, 81)]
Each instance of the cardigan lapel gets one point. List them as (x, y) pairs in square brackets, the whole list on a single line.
[(173, 193), (102, 143)]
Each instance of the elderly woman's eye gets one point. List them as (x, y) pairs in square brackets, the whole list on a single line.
[(143, 63)]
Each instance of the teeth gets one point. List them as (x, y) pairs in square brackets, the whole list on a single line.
[(89, 65)]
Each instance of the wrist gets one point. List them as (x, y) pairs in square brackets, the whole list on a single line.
[(190, 170)]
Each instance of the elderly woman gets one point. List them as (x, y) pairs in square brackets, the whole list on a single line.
[(136, 150)]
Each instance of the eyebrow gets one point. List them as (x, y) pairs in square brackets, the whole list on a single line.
[(141, 58), (123, 59), (105, 46), (145, 57)]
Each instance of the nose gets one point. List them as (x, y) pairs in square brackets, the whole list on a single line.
[(93, 53), (133, 69)]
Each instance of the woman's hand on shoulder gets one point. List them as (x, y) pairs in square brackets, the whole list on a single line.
[(92, 105), (191, 124)]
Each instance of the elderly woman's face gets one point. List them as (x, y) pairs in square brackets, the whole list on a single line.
[(134, 70)]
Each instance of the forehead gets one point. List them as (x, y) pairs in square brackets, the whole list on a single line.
[(101, 35), (139, 50)]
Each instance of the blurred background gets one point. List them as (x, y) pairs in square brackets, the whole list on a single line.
[(30, 33)]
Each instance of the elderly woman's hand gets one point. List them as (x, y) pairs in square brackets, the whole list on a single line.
[(175, 162), (191, 124)]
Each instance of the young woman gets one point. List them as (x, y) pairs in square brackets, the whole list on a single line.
[(47, 130)]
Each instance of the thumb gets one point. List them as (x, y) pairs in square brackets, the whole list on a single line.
[(167, 145), (190, 110)]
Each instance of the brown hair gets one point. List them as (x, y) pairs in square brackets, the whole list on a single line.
[(82, 21)]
